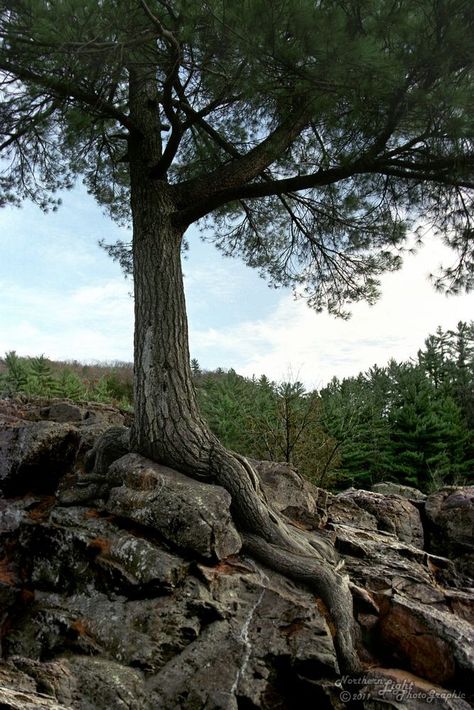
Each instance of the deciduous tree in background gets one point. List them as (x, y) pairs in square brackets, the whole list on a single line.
[(312, 133)]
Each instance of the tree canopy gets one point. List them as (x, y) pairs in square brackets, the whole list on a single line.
[(314, 133)]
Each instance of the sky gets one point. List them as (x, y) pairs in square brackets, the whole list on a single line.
[(62, 296)]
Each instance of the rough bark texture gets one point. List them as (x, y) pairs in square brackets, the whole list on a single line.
[(168, 427)]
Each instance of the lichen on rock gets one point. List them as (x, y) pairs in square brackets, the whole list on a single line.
[(126, 585)]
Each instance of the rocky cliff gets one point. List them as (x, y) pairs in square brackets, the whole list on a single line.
[(123, 583)]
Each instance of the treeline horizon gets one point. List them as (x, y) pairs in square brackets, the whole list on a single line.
[(411, 422)]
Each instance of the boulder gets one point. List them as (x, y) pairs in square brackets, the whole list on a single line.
[(110, 445), (57, 554), (433, 642), (34, 455), (451, 514), (392, 513), (344, 511), (62, 412), (397, 489), (193, 516), (59, 410), (291, 494)]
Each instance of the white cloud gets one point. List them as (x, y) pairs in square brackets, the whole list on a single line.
[(62, 296), (316, 346), (87, 323)]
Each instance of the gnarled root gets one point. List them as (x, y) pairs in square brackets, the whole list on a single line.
[(327, 584), (285, 549), (307, 560)]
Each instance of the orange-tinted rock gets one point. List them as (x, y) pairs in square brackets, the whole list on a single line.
[(414, 642)]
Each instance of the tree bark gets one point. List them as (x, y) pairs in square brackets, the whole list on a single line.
[(168, 426)]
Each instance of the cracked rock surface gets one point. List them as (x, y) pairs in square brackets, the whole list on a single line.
[(125, 585)]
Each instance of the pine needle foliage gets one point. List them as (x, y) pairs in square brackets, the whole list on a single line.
[(310, 135)]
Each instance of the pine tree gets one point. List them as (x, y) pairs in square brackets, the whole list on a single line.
[(16, 376), (355, 415), (312, 132), (427, 433), (463, 377), (195, 368), (71, 386), (41, 381)]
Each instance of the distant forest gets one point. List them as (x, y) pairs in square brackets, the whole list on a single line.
[(410, 422)]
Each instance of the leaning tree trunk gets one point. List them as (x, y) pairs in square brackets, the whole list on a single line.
[(168, 426)]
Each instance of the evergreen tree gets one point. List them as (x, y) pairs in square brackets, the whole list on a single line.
[(16, 377), (463, 375), (41, 381), (434, 358), (225, 402), (262, 420), (71, 386), (355, 415), (427, 433), (312, 132), (285, 421), (195, 368)]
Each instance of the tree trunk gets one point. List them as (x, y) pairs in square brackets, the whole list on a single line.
[(168, 426)]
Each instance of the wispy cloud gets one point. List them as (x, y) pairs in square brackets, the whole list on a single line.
[(317, 346), (85, 323), (60, 295)]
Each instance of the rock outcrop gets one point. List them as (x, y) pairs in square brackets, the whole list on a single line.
[(124, 584), (450, 513)]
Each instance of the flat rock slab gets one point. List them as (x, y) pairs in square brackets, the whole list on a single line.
[(77, 682), (389, 488), (195, 517), (435, 643)]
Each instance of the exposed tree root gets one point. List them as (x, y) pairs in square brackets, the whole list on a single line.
[(307, 560), (286, 550), (332, 587)]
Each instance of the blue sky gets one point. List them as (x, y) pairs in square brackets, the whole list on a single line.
[(62, 296)]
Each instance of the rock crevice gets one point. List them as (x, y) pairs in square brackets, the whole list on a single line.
[(124, 583)]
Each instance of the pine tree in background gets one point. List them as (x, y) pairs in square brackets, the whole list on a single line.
[(71, 386), (463, 370), (16, 376), (225, 401), (41, 381), (354, 414), (426, 430)]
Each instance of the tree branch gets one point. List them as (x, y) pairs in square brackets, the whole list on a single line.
[(28, 126), (261, 189), (430, 171), (166, 34), (421, 176), (65, 89), (231, 176)]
